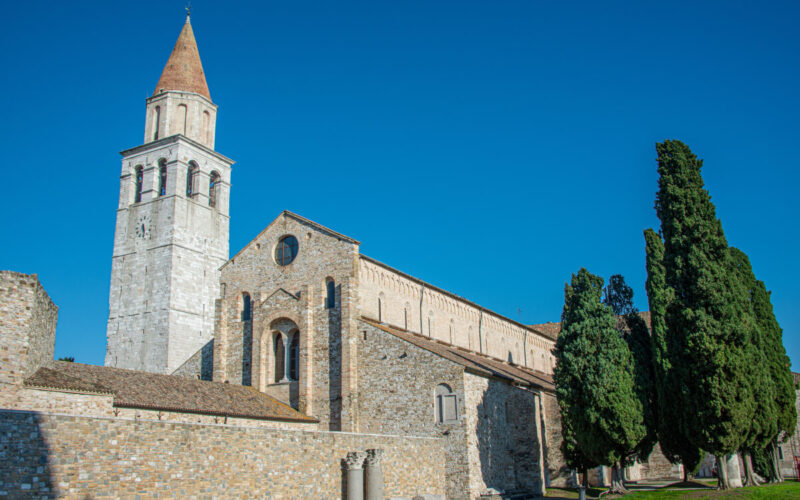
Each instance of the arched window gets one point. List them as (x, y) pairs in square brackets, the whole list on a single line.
[(183, 113), (280, 357), (162, 177), (294, 357), (213, 187), (156, 122), (330, 300), (452, 331), (206, 126), (247, 306), (446, 404), (405, 318), (139, 182), (380, 311), (191, 178)]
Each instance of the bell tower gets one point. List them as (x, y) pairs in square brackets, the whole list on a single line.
[(172, 225)]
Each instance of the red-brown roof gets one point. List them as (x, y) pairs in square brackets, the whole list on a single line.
[(552, 329), (184, 71), (473, 362), (135, 389)]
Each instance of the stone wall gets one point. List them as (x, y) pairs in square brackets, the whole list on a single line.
[(504, 448), (200, 365), (55, 455), (556, 473), (297, 293), (27, 330), (395, 298), (397, 381), (167, 253)]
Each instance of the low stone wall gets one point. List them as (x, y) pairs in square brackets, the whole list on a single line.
[(44, 454)]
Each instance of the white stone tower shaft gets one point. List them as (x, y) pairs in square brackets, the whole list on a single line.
[(172, 225)]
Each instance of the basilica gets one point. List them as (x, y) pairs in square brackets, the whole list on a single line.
[(297, 368)]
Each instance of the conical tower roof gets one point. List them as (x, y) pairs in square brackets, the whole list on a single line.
[(184, 71)]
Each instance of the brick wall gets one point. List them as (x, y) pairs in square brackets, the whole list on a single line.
[(46, 454), (557, 471)]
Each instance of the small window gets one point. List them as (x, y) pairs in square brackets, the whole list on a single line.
[(191, 178), (286, 250), (247, 307), (380, 315), (213, 187), (780, 452), (446, 404), (162, 177), (156, 122), (294, 356), (280, 358), (139, 182), (330, 300)]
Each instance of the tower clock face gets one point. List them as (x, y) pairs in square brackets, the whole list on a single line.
[(143, 227)]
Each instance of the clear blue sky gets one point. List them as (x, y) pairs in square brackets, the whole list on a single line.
[(491, 148)]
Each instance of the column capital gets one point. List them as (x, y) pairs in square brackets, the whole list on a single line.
[(355, 460), (374, 457)]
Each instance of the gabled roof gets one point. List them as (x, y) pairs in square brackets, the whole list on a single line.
[(183, 70), (301, 219), (135, 389), (475, 363)]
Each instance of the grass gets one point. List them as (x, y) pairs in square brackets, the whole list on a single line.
[(785, 490)]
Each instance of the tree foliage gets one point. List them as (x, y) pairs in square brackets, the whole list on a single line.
[(707, 319), (632, 327), (674, 445), (594, 382)]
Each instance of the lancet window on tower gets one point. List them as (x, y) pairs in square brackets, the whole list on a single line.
[(213, 187), (156, 122), (191, 178), (330, 300), (162, 177), (139, 181)]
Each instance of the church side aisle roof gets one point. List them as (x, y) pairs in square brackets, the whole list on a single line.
[(183, 70), (135, 389), (475, 363)]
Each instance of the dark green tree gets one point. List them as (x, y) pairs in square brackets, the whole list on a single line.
[(594, 382), (764, 424), (773, 384), (632, 327), (675, 447), (68, 359), (708, 319)]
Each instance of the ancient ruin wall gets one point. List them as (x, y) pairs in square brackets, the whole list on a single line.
[(54, 455)]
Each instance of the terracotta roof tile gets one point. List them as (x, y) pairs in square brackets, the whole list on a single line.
[(135, 389), (473, 362), (184, 71)]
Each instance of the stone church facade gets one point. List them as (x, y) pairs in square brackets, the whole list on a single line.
[(294, 354)]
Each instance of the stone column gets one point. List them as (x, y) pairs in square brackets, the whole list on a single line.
[(287, 356), (373, 475), (354, 475)]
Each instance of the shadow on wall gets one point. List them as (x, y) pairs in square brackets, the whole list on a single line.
[(507, 439), (24, 456), (335, 364), (207, 361), (247, 352)]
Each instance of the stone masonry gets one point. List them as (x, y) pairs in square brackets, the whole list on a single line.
[(43, 454), (27, 330), (172, 226)]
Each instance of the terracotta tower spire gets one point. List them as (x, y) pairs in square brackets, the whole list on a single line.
[(184, 71)]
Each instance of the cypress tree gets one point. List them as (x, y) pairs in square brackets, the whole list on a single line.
[(708, 318), (773, 384), (764, 425), (632, 327), (594, 383), (674, 445)]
